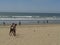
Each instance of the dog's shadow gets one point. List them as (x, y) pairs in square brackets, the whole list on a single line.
[(19, 35)]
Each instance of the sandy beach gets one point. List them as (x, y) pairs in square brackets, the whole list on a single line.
[(44, 34)]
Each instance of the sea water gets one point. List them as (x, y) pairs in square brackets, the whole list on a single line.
[(29, 18)]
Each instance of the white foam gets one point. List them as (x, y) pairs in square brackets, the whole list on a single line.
[(46, 18), (21, 16)]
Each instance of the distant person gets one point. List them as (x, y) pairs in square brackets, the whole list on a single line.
[(3, 23), (38, 22), (19, 23), (47, 21)]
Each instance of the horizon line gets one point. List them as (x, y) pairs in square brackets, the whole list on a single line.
[(29, 12)]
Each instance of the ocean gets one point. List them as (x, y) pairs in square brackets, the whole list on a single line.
[(29, 14), (29, 18)]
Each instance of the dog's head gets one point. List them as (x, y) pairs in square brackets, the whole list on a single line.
[(15, 24)]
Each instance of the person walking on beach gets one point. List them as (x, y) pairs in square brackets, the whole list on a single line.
[(3, 23), (38, 21), (47, 21), (19, 23), (13, 29)]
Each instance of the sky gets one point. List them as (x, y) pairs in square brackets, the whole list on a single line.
[(39, 6)]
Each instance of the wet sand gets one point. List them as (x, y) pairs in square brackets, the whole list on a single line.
[(44, 34)]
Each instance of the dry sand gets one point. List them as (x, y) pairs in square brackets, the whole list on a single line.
[(47, 34)]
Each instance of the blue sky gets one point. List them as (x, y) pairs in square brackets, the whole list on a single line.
[(40, 6)]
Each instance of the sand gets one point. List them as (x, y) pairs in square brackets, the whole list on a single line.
[(44, 34)]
